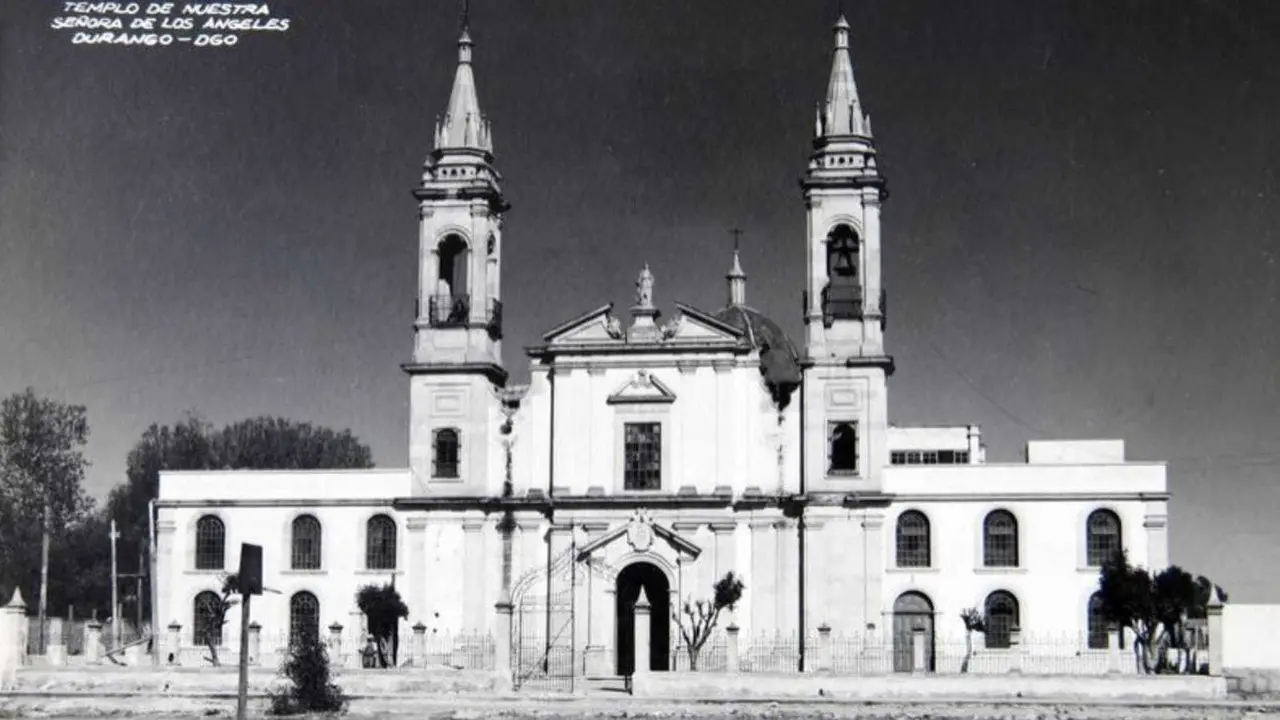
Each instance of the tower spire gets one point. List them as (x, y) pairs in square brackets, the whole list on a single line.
[(736, 277), (842, 114), (464, 125)]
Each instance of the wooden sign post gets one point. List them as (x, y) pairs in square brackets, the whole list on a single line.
[(250, 580)]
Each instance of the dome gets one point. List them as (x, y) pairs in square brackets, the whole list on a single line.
[(779, 361)]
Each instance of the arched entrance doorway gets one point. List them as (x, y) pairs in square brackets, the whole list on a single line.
[(910, 611), (657, 590)]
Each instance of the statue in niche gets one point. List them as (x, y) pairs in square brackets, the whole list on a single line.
[(644, 288)]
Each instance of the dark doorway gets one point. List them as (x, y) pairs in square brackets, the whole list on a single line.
[(910, 611), (657, 590)]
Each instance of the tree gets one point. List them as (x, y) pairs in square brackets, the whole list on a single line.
[(1156, 610), (974, 621), (216, 610), (42, 468), (384, 609), (697, 619), (263, 443), (310, 689)]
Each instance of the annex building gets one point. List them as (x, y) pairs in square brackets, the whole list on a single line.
[(659, 454)]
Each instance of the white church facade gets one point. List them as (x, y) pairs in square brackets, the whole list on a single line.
[(659, 454)]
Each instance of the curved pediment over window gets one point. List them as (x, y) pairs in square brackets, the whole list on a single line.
[(643, 388)]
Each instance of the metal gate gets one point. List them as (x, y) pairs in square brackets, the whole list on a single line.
[(542, 636)]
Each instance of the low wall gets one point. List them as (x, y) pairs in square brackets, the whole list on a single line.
[(953, 687), (162, 681), (1250, 636)]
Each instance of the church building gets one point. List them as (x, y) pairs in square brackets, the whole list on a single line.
[(657, 451)]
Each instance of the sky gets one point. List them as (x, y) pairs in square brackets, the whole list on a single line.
[(1080, 240)]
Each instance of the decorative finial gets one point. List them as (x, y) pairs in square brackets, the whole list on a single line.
[(466, 14), (736, 277)]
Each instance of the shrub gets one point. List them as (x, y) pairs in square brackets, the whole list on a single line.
[(310, 690)]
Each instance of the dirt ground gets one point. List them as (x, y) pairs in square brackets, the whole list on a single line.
[(457, 708)]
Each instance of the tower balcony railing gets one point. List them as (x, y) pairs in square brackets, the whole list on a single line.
[(446, 311), (845, 303)]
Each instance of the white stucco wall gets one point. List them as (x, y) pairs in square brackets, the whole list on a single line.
[(1250, 635)]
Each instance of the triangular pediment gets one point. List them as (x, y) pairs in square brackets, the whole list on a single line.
[(641, 533), (694, 326), (597, 326), (643, 388)]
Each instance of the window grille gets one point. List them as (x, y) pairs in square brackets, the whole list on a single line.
[(913, 539), (380, 543), (1002, 618), (304, 617), (643, 452), (206, 627), (306, 543), (1000, 540), (1103, 537), (447, 444), (211, 543)]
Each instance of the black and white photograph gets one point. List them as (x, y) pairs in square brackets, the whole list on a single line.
[(602, 358)]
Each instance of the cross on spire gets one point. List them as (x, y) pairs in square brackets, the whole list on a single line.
[(466, 14), (737, 279), (737, 235)]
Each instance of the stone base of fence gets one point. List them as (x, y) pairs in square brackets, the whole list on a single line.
[(925, 687)]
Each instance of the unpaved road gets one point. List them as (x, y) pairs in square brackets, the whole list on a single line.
[(459, 708)]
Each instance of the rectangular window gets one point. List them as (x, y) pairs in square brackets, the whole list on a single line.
[(897, 457), (643, 451), (842, 450)]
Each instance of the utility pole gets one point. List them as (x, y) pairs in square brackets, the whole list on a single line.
[(44, 570), (115, 600)]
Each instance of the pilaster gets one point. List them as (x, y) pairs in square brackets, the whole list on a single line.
[(417, 570), (764, 575), (1156, 524), (787, 582), (873, 529), (473, 606), (815, 574)]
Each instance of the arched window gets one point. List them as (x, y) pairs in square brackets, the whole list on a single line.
[(211, 543), (306, 543), (842, 297), (1002, 618), (844, 448), (1000, 539), (842, 253), (205, 625), (1102, 536), (304, 617), (452, 252), (1097, 623), (380, 543), (913, 539), (447, 443)]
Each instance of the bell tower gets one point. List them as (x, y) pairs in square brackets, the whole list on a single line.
[(457, 352), (846, 412)]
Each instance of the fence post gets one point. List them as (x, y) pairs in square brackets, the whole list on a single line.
[(642, 635), (356, 634), (1113, 649), (173, 643), (335, 644), (13, 647), (55, 645), (1216, 639), (1015, 650), (502, 641), (255, 643), (418, 651), (732, 659), (824, 648), (93, 642)]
